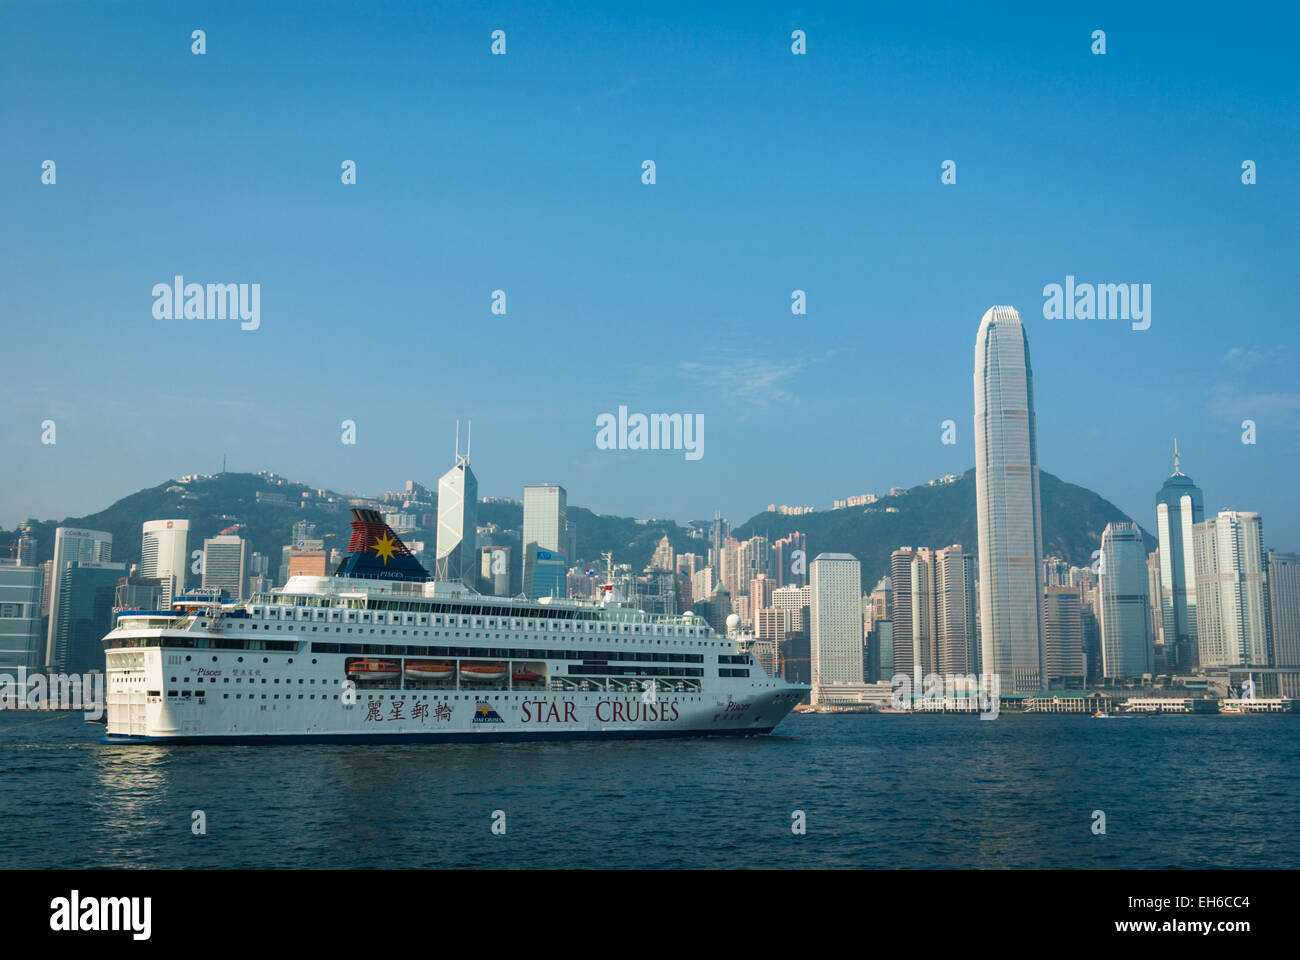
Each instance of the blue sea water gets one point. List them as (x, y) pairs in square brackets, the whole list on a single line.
[(877, 791)]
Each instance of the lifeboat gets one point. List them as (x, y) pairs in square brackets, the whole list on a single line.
[(428, 670), (482, 671), (527, 676), (368, 668)]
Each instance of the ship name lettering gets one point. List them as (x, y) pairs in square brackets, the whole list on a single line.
[(540, 711), (633, 711)]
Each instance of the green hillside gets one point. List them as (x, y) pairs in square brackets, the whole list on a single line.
[(211, 505), (1073, 519)]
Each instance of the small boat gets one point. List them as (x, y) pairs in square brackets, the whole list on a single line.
[(428, 670), (1101, 715), (1232, 711), (482, 671), (527, 676), (368, 668)]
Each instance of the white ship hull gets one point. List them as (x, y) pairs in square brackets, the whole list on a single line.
[(394, 715)]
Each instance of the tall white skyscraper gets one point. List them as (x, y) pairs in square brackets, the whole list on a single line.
[(1126, 643), (1284, 607), (546, 535), (1179, 507), (457, 558), (836, 613), (163, 556), (224, 560), (1231, 598), (1008, 506), (71, 544)]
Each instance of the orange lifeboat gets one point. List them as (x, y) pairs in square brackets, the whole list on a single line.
[(428, 670), (368, 668), (527, 676), (482, 671)]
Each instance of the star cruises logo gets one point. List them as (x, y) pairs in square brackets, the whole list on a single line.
[(386, 547)]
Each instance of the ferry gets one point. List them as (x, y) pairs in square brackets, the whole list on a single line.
[(380, 652)]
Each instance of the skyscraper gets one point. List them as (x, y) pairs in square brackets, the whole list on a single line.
[(663, 558), (1063, 634), (1284, 607), (71, 545), (836, 613), (1231, 596), (494, 569), (1008, 505), (224, 559), (457, 558), (1126, 644), (1179, 507), (1155, 618), (138, 593), (545, 539), (163, 556), (933, 629), (719, 531), (85, 615), (911, 572), (24, 549), (760, 593), (790, 560), (954, 594), (20, 616)]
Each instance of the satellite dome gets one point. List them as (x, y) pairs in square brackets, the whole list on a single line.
[(733, 621)]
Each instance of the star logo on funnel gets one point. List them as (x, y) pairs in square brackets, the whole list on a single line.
[(385, 547)]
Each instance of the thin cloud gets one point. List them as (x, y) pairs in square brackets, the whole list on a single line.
[(752, 379), (1229, 402), (1247, 358)]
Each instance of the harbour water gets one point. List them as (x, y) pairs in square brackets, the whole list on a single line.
[(875, 791)]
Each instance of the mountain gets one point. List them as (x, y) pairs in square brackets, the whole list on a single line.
[(212, 504), (939, 515), (927, 516)]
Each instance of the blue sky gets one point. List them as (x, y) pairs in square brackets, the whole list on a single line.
[(522, 172)]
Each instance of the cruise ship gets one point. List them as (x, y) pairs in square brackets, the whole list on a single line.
[(382, 653)]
